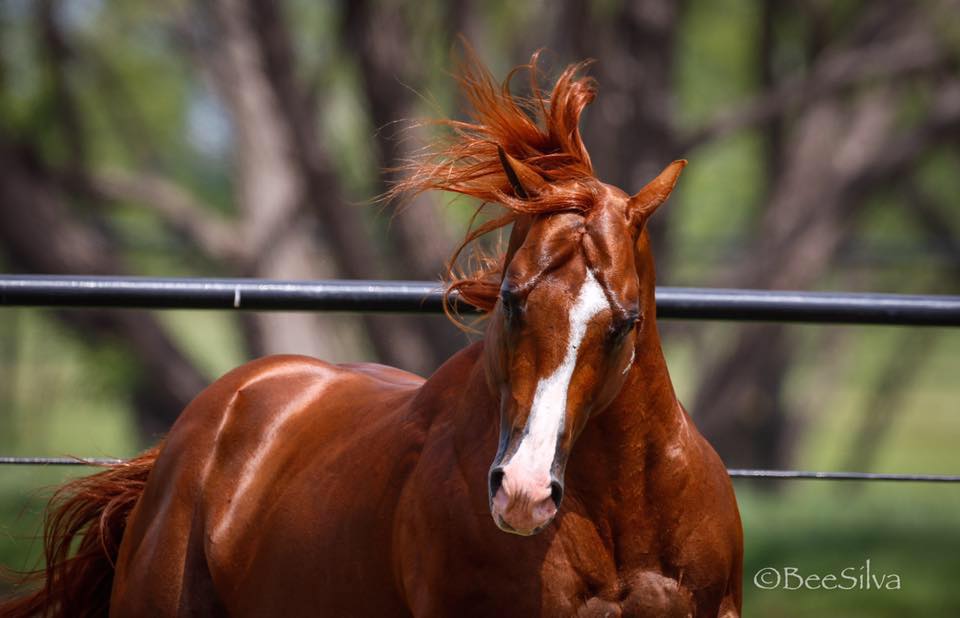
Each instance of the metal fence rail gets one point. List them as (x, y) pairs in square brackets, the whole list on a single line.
[(810, 475), (425, 296)]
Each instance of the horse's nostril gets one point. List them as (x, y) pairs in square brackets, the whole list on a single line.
[(496, 480), (556, 492)]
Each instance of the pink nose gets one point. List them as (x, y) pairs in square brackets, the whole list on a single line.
[(523, 508)]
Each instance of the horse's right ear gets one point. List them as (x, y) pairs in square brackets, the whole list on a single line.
[(526, 183)]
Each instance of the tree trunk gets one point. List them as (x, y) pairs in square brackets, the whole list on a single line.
[(40, 233)]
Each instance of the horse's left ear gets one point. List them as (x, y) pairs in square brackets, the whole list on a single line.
[(525, 182), (656, 192)]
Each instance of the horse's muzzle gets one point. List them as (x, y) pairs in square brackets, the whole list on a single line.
[(523, 504)]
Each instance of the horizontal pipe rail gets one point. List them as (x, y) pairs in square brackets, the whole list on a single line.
[(792, 475), (59, 461), (813, 475), (426, 297)]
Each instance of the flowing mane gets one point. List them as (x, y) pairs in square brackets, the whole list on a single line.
[(538, 130)]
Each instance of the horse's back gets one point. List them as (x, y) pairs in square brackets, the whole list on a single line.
[(274, 490)]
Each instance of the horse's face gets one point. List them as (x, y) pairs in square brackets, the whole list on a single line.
[(559, 347)]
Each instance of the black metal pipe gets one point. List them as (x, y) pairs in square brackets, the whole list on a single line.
[(790, 475), (58, 461), (242, 294), (425, 297), (813, 475)]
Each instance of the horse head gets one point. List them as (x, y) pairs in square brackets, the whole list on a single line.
[(561, 336)]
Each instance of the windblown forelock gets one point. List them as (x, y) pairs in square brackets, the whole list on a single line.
[(541, 132)]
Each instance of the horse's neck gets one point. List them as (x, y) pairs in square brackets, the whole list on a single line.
[(644, 419), (621, 466)]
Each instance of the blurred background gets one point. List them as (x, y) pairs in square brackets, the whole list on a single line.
[(247, 138)]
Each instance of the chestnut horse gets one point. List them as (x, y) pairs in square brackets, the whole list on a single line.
[(547, 470)]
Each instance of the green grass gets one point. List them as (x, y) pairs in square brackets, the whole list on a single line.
[(821, 528)]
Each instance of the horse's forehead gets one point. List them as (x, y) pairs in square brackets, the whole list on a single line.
[(550, 239), (609, 248), (561, 240)]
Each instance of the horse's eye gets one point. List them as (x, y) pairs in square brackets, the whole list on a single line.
[(510, 304), (622, 326)]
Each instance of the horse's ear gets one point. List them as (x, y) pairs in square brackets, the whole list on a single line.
[(656, 192), (526, 183)]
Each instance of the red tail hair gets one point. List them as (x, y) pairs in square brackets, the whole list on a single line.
[(93, 509)]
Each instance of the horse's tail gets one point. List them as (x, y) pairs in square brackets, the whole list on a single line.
[(89, 512)]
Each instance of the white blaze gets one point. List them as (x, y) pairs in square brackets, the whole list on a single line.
[(533, 458)]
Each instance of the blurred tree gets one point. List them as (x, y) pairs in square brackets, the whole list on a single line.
[(842, 147)]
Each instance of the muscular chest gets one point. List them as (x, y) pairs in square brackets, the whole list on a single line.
[(584, 576)]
